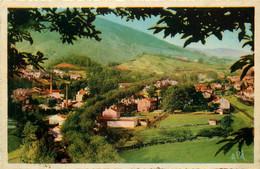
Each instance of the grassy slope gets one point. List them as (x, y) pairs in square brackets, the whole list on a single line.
[(14, 143), (14, 156), (185, 151), (159, 65), (182, 119), (119, 44), (240, 105), (199, 151)]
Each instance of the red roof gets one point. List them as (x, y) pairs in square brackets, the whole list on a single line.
[(62, 116), (67, 65), (53, 91), (151, 100), (115, 110), (181, 58), (122, 68), (212, 119)]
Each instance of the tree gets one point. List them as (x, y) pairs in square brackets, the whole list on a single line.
[(183, 97), (37, 146), (69, 23)]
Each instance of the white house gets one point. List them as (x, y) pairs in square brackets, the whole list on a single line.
[(57, 119), (123, 122)]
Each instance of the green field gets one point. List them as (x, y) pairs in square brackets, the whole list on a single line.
[(199, 151), (185, 119), (14, 142), (14, 156)]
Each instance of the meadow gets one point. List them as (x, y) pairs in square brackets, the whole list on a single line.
[(198, 151), (188, 118)]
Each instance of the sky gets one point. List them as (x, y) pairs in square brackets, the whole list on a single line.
[(230, 39)]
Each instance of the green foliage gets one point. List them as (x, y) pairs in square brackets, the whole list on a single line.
[(183, 97), (69, 23), (73, 87), (179, 134), (37, 146), (226, 121), (201, 60), (52, 102), (242, 136), (152, 91), (245, 63), (211, 132)]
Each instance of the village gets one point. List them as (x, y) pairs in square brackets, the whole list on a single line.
[(123, 114)]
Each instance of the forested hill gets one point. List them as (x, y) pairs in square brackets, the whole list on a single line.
[(119, 44)]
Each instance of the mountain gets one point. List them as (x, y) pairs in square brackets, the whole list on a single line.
[(119, 44), (224, 52)]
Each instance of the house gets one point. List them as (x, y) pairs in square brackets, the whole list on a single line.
[(164, 83), (80, 94), (123, 122), (207, 95), (198, 87), (237, 86), (234, 79), (249, 92), (181, 58), (38, 74), (56, 132), (44, 106), (57, 119), (146, 105), (63, 104), (75, 76), (55, 95), (224, 104), (216, 86), (53, 91), (212, 122), (112, 113), (124, 84), (20, 95), (77, 105)]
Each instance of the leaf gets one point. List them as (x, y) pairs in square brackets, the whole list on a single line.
[(188, 41), (241, 35), (245, 71), (250, 43)]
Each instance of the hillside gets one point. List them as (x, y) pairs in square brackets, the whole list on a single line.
[(119, 44), (224, 52), (160, 64)]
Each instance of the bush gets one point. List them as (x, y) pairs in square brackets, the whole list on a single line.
[(179, 134), (216, 131)]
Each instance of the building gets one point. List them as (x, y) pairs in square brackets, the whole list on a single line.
[(234, 79), (198, 87), (224, 104), (75, 76), (124, 84), (80, 94), (146, 105), (56, 132), (123, 122), (77, 105), (212, 122), (216, 86), (20, 95), (237, 86), (57, 119), (112, 113)]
